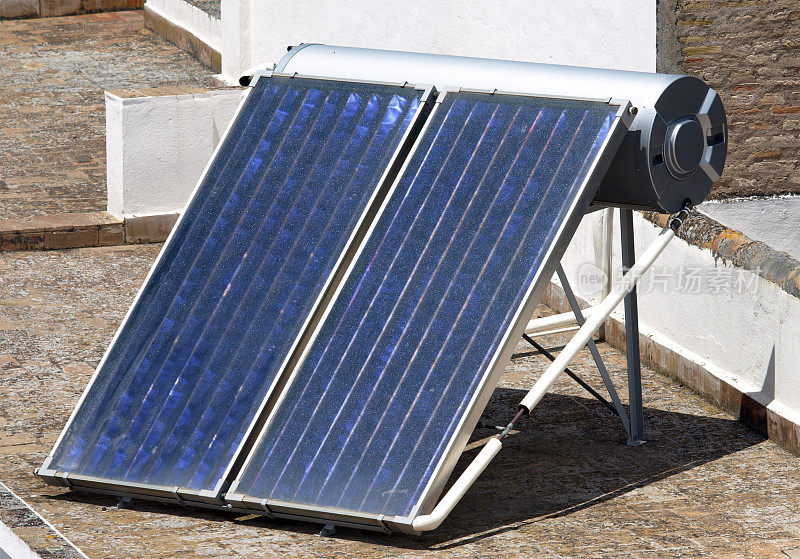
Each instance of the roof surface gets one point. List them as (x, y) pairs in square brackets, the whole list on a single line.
[(565, 485), (52, 110)]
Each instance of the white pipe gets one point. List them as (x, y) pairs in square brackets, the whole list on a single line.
[(541, 333), (607, 237), (555, 322), (463, 483), (601, 312)]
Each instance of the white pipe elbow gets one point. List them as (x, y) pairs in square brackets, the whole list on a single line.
[(432, 521)]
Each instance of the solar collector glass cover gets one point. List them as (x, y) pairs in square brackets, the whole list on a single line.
[(236, 283), (394, 367)]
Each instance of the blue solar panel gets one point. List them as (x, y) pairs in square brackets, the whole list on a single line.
[(395, 365), (237, 282)]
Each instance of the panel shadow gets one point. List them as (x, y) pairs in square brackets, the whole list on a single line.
[(568, 456)]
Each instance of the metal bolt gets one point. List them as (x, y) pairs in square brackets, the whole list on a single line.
[(633, 110)]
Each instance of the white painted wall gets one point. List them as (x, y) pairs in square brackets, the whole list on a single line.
[(157, 147), (775, 221), (604, 33), (237, 43), (191, 18), (748, 338)]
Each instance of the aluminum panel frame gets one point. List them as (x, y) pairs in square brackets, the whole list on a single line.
[(551, 260), (213, 498)]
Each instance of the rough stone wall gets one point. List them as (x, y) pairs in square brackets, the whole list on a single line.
[(14, 9), (749, 51)]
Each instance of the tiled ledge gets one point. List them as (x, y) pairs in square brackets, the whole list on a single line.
[(76, 230), (738, 249), (162, 91), (42, 537)]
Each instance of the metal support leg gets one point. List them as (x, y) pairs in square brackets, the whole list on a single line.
[(636, 434)]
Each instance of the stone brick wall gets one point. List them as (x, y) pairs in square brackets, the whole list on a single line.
[(749, 51), (14, 9)]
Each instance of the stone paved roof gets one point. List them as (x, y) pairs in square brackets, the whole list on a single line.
[(52, 115), (565, 485)]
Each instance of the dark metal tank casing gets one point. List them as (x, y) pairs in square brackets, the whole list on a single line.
[(674, 150)]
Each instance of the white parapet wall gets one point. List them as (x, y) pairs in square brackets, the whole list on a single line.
[(192, 19), (157, 144), (617, 34), (732, 322)]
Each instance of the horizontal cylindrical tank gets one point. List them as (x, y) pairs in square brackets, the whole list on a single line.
[(675, 147)]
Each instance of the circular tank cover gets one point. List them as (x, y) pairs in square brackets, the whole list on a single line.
[(685, 145)]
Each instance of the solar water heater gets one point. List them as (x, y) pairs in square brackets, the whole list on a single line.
[(324, 327)]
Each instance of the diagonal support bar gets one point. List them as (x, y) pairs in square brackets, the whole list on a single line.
[(604, 309), (598, 360), (569, 373)]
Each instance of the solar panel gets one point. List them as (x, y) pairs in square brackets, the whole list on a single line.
[(384, 398), (237, 284)]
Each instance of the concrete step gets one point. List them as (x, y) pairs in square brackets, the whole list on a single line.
[(23, 9)]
